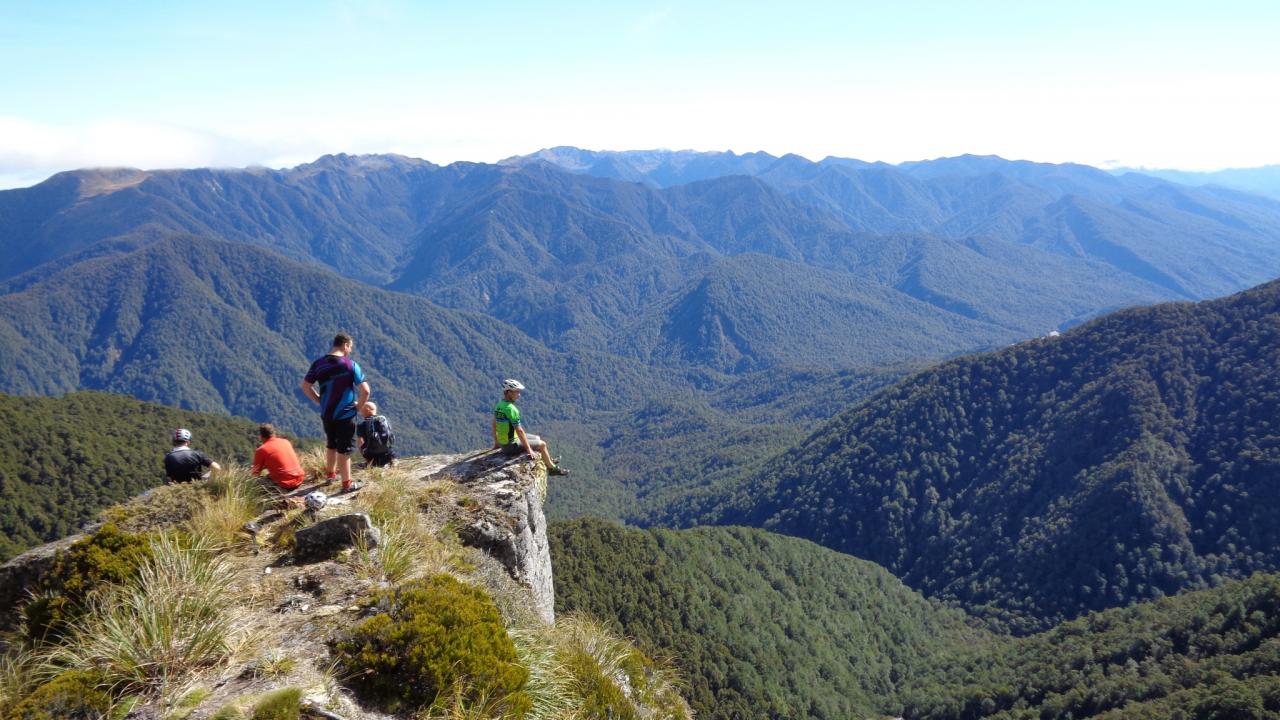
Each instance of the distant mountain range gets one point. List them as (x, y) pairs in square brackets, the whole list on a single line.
[(1264, 180), (634, 308), (948, 256), (1131, 458)]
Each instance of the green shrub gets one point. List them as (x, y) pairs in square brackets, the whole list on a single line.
[(73, 695), (283, 704), (433, 636), (108, 557)]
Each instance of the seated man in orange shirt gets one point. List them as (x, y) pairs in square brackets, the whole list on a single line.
[(276, 456)]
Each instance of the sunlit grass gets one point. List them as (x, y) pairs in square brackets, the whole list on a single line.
[(169, 622), (234, 498)]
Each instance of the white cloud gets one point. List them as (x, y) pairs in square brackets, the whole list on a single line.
[(1184, 122)]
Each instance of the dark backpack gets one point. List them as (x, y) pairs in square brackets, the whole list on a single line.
[(378, 437)]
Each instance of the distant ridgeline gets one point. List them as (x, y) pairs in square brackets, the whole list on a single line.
[(767, 626), (1134, 457), (64, 459)]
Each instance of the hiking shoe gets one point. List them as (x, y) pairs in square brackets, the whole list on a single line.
[(350, 487), (557, 470)]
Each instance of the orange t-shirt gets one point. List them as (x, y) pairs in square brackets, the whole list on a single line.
[(278, 457)]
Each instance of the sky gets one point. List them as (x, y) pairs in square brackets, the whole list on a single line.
[(1187, 85)]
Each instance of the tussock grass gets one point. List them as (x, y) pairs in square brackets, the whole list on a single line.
[(550, 686), (406, 551), (312, 461), (21, 670), (612, 674), (458, 706), (171, 621), (234, 498), (387, 496), (284, 532)]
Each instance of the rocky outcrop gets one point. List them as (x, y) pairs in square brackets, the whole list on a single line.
[(505, 517), (327, 537), (19, 575), (498, 510)]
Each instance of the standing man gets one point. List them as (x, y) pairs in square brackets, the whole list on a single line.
[(276, 456), (509, 434), (184, 463), (339, 378)]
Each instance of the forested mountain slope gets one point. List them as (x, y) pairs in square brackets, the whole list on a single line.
[(224, 327), (764, 626), (1134, 457), (768, 626), (1208, 654), (64, 459)]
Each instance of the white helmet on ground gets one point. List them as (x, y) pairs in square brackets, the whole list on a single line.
[(315, 500), (510, 384)]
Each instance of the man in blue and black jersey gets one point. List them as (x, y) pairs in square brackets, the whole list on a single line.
[(343, 391)]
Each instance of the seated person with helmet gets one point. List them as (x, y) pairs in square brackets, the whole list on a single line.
[(509, 434), (184, 463)]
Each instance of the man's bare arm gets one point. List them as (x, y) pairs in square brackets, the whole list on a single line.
[(309, 390), (524, 440)]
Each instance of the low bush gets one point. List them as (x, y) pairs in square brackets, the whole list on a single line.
[(434, 638), (72, 695), (108, 557), (283, 704)]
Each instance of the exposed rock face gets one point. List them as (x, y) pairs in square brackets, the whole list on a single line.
[(22, 573), (506, 520)]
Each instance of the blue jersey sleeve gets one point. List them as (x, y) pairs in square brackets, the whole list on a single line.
[(359, 372)]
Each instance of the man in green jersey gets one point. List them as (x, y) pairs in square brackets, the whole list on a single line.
[(509, 434)]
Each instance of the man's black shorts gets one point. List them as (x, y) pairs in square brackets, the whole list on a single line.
[(340, 435)]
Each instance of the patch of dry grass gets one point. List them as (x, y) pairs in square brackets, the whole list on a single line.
[(312, 461), (234, 498), (20, 671), (174, 619)]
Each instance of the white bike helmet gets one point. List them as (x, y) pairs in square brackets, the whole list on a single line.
[(315, 500), (510, 384), (182, 435)]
